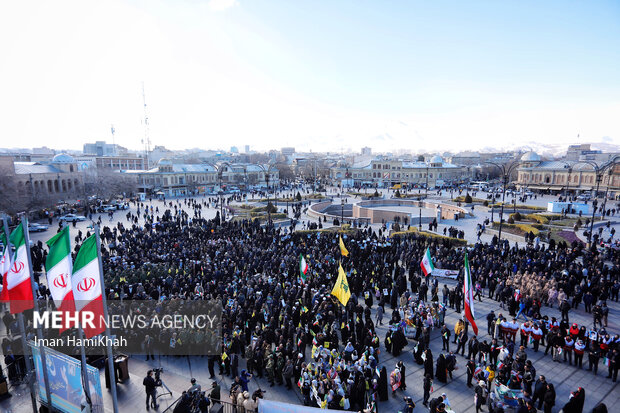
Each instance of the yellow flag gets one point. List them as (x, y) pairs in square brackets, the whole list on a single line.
[(343, 249), (341, 289)]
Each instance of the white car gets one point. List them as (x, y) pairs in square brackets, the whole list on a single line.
[(72, 218), (34, 227)]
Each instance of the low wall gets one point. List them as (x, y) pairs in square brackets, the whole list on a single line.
[(320, 211), (367, 209)]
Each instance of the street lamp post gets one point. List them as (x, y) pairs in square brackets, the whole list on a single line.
[(341, 211), (611, 171), (599, 177), (426, 189), (505, 177), (570, 170), (420, 218), (221, 193), (266, 172)]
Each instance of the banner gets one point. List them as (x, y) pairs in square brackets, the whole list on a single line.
[(452, 274), (508, 396), (65, 376)]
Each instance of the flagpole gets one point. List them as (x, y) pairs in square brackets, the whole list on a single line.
[(22, 329), (35, 299), (107, 331), (85, 381)]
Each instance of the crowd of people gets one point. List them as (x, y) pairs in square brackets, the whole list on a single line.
[(296, 334)]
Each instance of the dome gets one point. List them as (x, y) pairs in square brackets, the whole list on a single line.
[(164, 161), (530, 157), (63, 158), (436, 159)]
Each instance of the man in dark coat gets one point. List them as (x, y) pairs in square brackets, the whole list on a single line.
[(471, 367), (539, 391)]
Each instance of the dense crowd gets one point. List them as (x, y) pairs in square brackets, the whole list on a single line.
[(297, 334)]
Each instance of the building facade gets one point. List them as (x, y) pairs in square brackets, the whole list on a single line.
[(31, 183), (175, 179), (120, 163), (389, 172), (101, 148), (559, 176)]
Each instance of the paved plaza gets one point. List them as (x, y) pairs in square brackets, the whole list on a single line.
[(179, 370)]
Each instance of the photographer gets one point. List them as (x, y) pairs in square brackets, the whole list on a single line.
[(149, 386), (252, 403), (195, 387)]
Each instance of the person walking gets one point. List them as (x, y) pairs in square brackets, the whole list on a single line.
[(549, 398), (445, 337), (471, 367), (427, 385), (480, 394), (540, 388)]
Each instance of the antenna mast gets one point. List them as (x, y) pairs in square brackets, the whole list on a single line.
[(147, 140)]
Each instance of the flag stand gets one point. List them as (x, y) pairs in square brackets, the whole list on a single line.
[(107, 331), (35, 299), (22, 330)]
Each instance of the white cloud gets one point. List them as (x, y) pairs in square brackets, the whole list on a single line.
[(220, 5)]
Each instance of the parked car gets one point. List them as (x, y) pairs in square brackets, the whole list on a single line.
[(72, 218), (34, 227)]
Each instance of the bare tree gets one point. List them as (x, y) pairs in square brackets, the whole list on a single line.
[(11, 200), (285, 171), (106, 183)]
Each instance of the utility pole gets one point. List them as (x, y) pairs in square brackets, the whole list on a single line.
[(147, 140)]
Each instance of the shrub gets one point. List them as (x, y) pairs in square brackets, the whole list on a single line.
[(520, 229), (485, 203), (541, 219), (517, 216), (376, 194), (468, 199), (511, 220), (397, 193)]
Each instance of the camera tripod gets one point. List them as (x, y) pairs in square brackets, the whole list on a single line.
[(168, 391)]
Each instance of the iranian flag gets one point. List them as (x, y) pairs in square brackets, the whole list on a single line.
[(303, 268), (468, 293), (427, 263), (18, 278), (87, 289), (5, 266), (58, 267)]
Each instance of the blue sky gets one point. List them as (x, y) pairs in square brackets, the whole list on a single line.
[(321, 75)]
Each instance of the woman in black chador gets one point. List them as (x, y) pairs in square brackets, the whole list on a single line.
[(441, 372)]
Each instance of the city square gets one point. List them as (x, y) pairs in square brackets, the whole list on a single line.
[(233, 206)]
